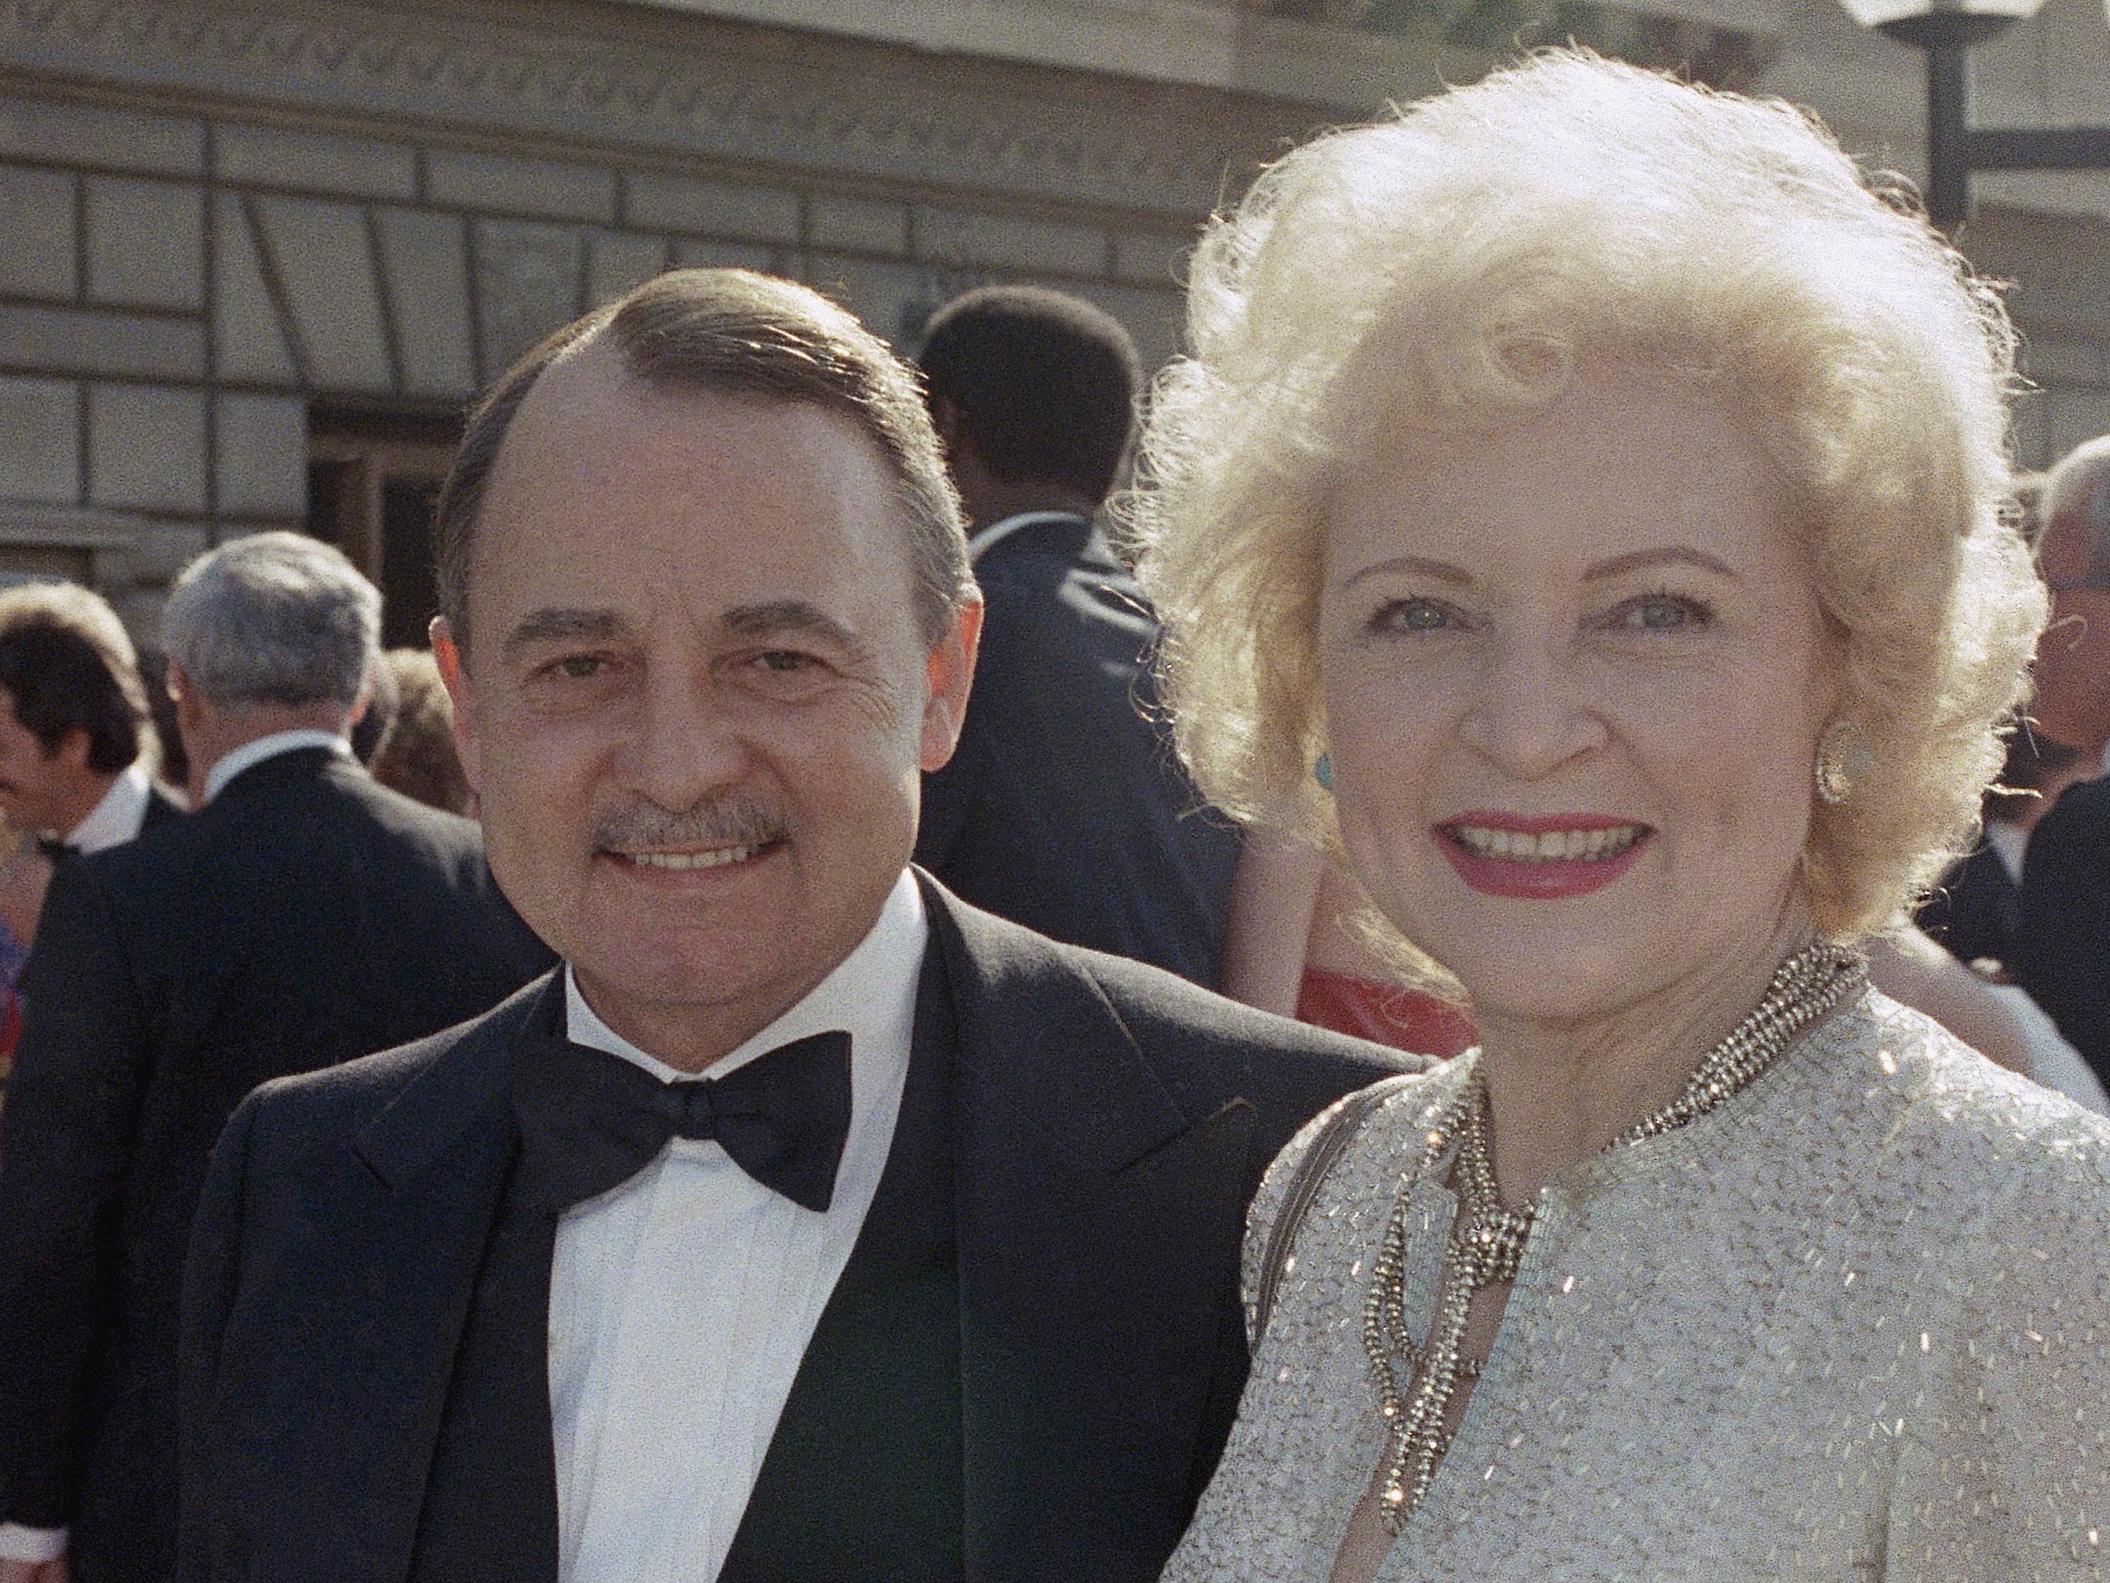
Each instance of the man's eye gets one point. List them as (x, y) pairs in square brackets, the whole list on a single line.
[(785, 660), (1662, 613), (580, 667), (1412, 615)]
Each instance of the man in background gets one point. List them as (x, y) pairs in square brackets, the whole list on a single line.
[(2062, 938), (1064, 808), (301, 917), (75, 740)]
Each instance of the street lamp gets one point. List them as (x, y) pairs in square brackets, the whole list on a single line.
[(1946, 30)]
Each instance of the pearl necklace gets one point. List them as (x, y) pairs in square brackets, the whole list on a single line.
[(1487, 1241)]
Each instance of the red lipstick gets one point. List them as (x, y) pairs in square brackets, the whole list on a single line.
[(1530, 879)]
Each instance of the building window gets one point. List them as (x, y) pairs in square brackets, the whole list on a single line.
[(372, 483)]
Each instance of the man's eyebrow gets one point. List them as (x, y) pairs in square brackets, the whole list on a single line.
[(559, 624), (780, 617), (1668, 555)]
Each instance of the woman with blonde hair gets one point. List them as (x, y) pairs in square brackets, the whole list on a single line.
[(1582, 507)]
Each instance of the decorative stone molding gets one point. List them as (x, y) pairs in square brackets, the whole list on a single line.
[(729, 94)]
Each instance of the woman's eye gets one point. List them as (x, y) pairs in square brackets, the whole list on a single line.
[(1412, 615), (1662, 613)]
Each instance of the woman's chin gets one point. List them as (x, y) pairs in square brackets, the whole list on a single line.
[(1568, 985)]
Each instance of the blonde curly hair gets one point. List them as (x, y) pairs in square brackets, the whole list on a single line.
[(1442, 272)]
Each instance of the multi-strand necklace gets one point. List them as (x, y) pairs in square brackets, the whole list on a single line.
[(1487, 1240)]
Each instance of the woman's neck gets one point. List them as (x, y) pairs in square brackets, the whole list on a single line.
[(1562, 1090)]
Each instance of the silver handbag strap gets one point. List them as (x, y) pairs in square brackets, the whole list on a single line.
[(1334, 1136)]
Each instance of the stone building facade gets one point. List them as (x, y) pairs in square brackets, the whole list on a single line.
[(256, 254)]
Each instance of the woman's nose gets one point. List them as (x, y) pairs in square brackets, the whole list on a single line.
[(1530, 711)]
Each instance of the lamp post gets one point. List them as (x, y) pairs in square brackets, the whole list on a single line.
[(1946, 30)]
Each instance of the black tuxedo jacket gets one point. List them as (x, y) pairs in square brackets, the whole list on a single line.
[(1108, 1127), (2062, 942), (304, 916), (161, 809), (1064, 808), (1976, 909)]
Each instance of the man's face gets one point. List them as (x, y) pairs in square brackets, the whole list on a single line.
[(36, 786), (696, 704), (2073, 657)]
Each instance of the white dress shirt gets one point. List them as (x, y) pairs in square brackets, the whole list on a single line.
[(118, 817), (2009, 842), (682, 1301), (250, 754)]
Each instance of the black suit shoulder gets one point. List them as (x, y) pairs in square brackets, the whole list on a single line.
[(1065, 807), (2081, 815), (1160, 1006), (2062, 942), (335, 1101), (294, 846), (1207, 1050)]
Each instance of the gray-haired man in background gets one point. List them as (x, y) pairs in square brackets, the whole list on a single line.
[(2062, 940), (303, 916)]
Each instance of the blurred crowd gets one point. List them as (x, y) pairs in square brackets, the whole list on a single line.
[(91, 752)]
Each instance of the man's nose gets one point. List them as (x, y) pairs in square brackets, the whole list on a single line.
[(1530, 711), (688, 744)]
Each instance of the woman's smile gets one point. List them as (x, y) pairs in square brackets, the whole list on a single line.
[(1545, 857)]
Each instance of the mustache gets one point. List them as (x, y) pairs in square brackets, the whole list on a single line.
[(728, 822)]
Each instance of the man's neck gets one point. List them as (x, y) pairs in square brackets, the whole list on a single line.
[(223, 733), (82, 801)]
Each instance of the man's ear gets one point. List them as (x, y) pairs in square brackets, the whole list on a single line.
[(455, 673), (189, 704), (949, 671)]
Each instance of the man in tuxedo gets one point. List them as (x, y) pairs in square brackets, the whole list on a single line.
[(75, 737), (1064, 808), (808, 1223), (302, 916), (2062, 938)]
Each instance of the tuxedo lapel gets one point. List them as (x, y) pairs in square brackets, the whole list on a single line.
[(408, 1256), (1088, 1202), (489, 1513)]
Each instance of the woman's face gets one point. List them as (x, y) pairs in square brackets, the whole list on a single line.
[(1574, 677)]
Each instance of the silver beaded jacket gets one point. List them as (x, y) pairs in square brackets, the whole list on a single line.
[(1852, 1324)]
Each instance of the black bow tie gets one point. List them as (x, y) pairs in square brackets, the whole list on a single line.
[(57, 850), (589, 1120)]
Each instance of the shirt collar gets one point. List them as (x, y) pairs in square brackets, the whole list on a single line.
[(871, 993), (251, 754), (117, 818), (2008, 842), (993, 535)]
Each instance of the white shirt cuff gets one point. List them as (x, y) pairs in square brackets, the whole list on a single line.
[(18, 1543)]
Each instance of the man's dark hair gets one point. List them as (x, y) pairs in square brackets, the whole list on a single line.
[(67, 663), (1044, 383), (736, 333)]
